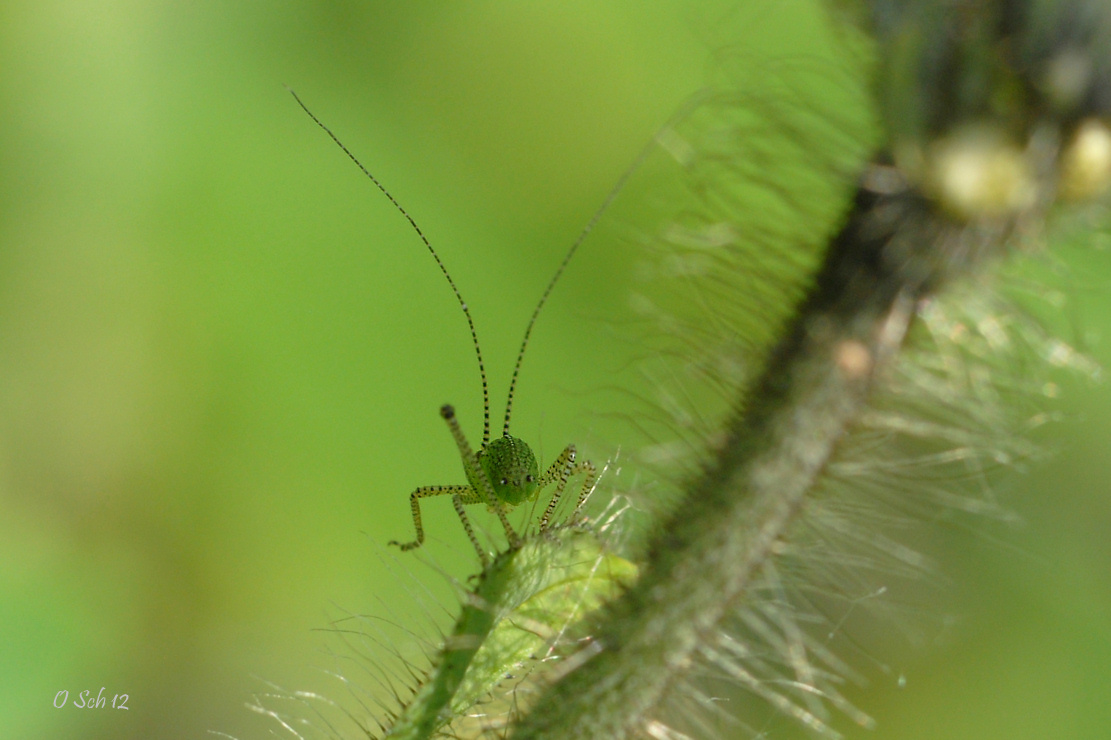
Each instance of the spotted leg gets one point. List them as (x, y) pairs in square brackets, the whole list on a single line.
[(478, 474), (564, 467)]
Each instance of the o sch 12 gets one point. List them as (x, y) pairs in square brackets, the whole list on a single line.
[(86, 700)]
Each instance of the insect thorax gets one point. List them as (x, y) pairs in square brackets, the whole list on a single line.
[(511, 468)]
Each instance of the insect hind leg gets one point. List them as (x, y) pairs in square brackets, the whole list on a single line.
[(564, 468), (477, 474)]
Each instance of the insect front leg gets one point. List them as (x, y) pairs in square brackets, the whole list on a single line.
[(564, 467), (425, 492)]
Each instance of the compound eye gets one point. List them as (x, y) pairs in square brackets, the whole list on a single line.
[(504, 481)]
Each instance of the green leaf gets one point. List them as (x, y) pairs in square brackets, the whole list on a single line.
[(525, 601)]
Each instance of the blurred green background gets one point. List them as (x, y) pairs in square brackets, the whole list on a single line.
[(222, 352)]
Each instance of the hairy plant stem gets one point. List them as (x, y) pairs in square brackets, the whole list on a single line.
[(814, 388)]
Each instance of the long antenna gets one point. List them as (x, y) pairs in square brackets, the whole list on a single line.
[(458, 295), (617, 188)]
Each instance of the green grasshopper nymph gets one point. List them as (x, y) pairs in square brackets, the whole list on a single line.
[(504, 472)]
